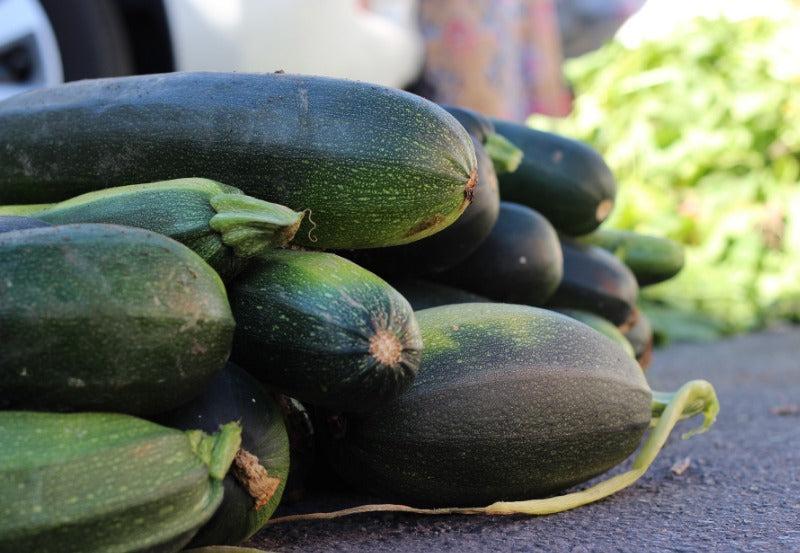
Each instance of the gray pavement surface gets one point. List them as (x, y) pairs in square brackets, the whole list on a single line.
[(739, 492)]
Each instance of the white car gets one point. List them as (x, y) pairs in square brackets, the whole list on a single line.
[(45, 42)]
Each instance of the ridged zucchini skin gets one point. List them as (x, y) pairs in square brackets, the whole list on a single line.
[(640, 336), (103, 317), (105, 483), (423, 294), (235, 395), (511, 402), (218, 222), (323, 330), (596, 281), (601, 325), (520, 261), (448, 247), (652, 259), (565, 180), (15, 222), (375, 166)]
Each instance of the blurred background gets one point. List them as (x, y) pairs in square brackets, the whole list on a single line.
[(694, 105)]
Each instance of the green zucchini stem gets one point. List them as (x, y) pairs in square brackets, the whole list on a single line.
[(688, 396), (249, 225), (504, 155), (23, 210), (217, 450)]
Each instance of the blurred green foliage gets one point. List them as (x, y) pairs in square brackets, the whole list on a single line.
[(703, 133)]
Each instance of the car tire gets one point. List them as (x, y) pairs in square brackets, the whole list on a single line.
[(91, 38)]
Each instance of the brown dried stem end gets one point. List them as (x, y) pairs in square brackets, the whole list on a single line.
[(386, 348), (252, 475), (469, 189)]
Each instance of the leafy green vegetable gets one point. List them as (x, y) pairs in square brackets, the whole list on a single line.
[(701, 132)]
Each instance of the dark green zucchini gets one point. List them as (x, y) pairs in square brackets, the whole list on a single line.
[(652, 259), (601, 325), (103, 317), (520, 261), (510, 402), (422, 294), (504, 155), (596, 281), (447, 247), (102, 482), (565, 180), (324, 330), (223, 549), (14, 222), (302, 449), (640, 336), (218, 222), (374, 166), (255, 484)]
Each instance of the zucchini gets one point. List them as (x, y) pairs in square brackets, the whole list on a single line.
[(601, 325), (14, 222), (374, 166), (510, 402), (520, 261), (652, 259), (323, 330), (103, 317), (102, 482), (218, 222), (596, 281), (254, 486), (640, 336), (223, 549), (302, 449), (565, 180), (504, 155), (422, 294), (447, 247)]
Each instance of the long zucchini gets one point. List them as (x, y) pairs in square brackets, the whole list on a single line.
[(218, 222), (254, 486), (101, 482), (596, 281), (652, 259), (324, 330), (520, 261), (511, 402), (423, 294), (601, 325), (374, 166), (565, 180), (103, 317)]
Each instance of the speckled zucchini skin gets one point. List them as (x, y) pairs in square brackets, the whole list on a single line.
[(448, 247), (601, 325), (14, 222), (103, 317), (423, 294), (565, 180), (652, 259), (99, 483), (511, 402), (234, 395), (596, 281), (308, 322), (375, 166), (519, 262)]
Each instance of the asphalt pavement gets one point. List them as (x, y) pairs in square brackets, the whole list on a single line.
[(735, 488)]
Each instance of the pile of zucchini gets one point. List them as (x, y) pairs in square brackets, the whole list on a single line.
[(215, 288)]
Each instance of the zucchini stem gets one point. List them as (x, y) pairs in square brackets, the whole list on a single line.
[(249, 225), (688, 398), (504, 155), (217, 450)]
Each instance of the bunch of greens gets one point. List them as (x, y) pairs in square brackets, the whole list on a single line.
[(703, 133)]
